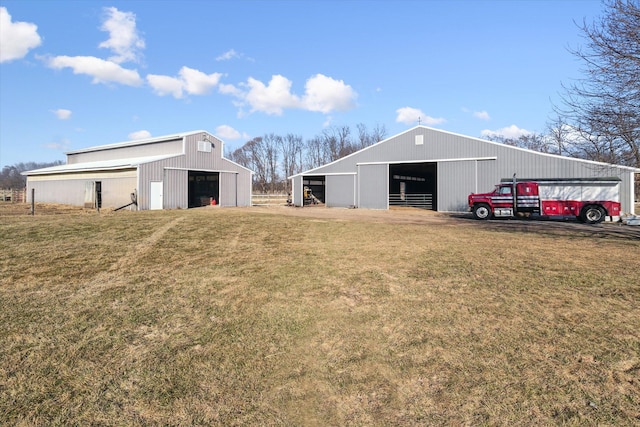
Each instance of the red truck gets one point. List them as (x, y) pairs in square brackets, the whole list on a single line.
[(589, 200)]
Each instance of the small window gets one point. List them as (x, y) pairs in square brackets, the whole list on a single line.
[(419, 139), (505, 190), (204, 146)]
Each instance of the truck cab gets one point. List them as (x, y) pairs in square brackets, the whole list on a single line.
[(498, 203)]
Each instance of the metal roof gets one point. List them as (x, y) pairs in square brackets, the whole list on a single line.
[(139, 142), (100, 165), (318, 170)]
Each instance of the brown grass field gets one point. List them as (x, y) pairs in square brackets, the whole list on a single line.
[(314, 316)]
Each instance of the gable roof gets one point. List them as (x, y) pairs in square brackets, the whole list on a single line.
[(485, 141)]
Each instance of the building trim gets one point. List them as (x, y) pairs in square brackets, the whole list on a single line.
[(200, 170), (466, 159), (87, 175)]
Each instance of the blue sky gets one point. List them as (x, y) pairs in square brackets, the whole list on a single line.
[(75, 74)]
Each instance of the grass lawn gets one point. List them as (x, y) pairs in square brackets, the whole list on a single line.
[(255, 317)]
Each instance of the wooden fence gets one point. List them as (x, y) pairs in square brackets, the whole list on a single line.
[(14, 196), (269, 199)]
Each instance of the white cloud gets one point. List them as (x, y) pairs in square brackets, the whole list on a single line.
[(165, 85), (226, 132), (230, 54), (483, 115), (62, 114), (189, 80), (272, 98), (124, 40), (512, 131), (431, 121), (198, 83), (325, 94), (101, 70), (16, 38), (229, 89), (322, 94), (409, 115), (140, 134), (60, 145)]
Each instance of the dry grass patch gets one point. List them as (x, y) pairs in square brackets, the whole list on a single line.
[(241, 316)]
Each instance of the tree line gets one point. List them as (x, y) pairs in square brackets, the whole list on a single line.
[(11, 178), (273, 158)]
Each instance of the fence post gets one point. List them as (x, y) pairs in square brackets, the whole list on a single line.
[(33, 201)]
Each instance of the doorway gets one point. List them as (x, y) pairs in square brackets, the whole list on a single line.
[(313, 190), (414, 185), (204, 187)]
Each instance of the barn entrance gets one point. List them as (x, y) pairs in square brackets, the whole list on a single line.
[(413, 184), (313, 190), (203, 187)]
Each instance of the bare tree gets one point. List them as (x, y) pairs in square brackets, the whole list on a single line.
[(241, 156), (251, 156), (291, 147), (270, 148), (316, 153), (559, 133), (366, 139), (604, 106), (532, 141), (379, 133)]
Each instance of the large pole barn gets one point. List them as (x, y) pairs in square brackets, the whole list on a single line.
[(183, 171), (434, 169)]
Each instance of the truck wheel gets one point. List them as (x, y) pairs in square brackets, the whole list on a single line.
[(481, 211), (593, 214)]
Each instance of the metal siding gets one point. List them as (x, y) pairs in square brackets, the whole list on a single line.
[(340, 191), (176, 189), (228, 189), (243, 181), (296, 191), (198, 160), (69, 189), (245, 184), (151, 149), (455, 181), (373, 186), (156, 171), (402, 148)]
